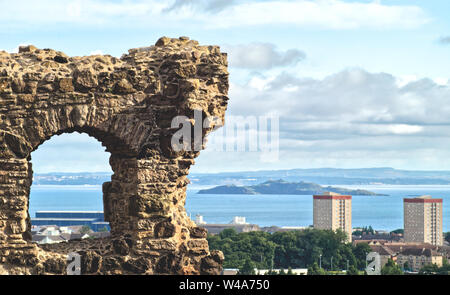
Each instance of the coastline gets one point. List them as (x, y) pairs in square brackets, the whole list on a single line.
[(382, 212)]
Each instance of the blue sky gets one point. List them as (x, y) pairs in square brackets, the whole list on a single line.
[(355, 83)]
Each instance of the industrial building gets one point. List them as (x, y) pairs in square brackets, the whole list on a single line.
[(93, 219)]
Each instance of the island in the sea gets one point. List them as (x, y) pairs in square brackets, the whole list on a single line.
[(281, 187)]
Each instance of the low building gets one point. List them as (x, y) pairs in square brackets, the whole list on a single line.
[(75, 236), (100, 235), (239, 220), (49, 230), (54, 234), (370, 242), (378, 236), (50, 239), (291, 228), (238, 223), (274, 229), (215, 229), (230, 271), (65, 230), (199, 219), (295, 271), (385, 253), (416, 254), (271, 229), (416, 258)]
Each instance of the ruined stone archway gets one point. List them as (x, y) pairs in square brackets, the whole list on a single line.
[(128, 105)]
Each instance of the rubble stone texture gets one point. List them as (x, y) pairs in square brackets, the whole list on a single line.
[(128, 105)]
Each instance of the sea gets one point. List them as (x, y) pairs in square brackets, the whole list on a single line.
[(380, 212)]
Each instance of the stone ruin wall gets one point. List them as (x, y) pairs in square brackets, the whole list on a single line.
[(128, 104)]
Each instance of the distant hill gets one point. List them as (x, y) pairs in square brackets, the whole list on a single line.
[(322, 176), (326, 176), (76, 178), (282, 187)]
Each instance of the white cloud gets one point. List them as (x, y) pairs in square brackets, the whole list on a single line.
[(260, 83), (352, 95), (352, 113), (406, 79), (260, 56), (352, 118), (344, 129), (330, 14), (404, 128), (441, 81), (76, 11), (206, 5)]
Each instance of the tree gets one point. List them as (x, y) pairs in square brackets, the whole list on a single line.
[(85, 229), (357, 232), (316, 270), (271, 272), (228, 233), (397, 231), (352, 271), (429, 269), (365, 230), (445, 269), (406, 266), (295, 249), (360, 251), (248, 268), (447, 237), (391, 268)]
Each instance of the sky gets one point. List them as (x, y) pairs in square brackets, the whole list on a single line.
[(353, 83)]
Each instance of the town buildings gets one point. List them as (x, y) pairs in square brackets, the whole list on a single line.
[(50, 234), (410, 256), (294, 271), (333, 211), (239, 224), (414, 258), (423, 220)]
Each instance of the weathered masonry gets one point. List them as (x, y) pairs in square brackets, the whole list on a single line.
[(128, 105)]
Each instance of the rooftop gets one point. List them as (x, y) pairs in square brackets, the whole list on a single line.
[(419, 252), (422, 199)]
